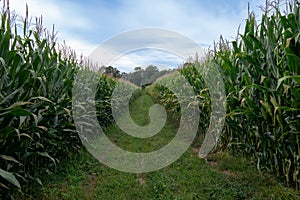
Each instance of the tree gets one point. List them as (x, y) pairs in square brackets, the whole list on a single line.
[(114, 72), (137, 68)]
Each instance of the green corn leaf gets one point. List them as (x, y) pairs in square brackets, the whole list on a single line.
[(9, 158), (296, 78), (9, 97), (17, 112), (4, 186), (273, 101), (25, 135), (45, 154), (43, 99), (17, 105), (39, 181), (20, 112), (266, 106), (280, 81), (10, 177)]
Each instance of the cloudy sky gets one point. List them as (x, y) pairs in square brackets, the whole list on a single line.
[(85, 24)]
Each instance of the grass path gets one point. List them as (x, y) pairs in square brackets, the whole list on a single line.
[(224, 177)]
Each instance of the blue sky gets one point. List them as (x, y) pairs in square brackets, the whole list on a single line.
[(84, 24)]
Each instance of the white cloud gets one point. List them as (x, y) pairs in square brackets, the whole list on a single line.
[(53, 12), (80, 46), (200, 24), (85, 24), (65, 21), (142, 47), (144, 58)]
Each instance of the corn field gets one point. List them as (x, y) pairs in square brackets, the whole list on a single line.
[(36, 125), (263, 86), (261, 73)]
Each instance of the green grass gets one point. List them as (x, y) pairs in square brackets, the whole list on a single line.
[(139, 112), (221, 176)]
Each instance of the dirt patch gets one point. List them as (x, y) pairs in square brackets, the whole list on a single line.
[(141, 179), (90, 183), (195, 150), (211, 163), (215, 161), (228, 173)]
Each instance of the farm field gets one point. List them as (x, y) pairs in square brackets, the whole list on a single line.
[(222, 176), (43, 154)]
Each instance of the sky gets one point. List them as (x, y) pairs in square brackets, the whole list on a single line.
[(86, 24)]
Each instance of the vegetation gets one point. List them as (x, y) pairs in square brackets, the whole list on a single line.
[(221, 176), (36, 125), (145, 77), (111, 71), (262, 82), (261, 74)]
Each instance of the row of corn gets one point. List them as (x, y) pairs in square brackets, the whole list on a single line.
[(261, 74), (36, 124)]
